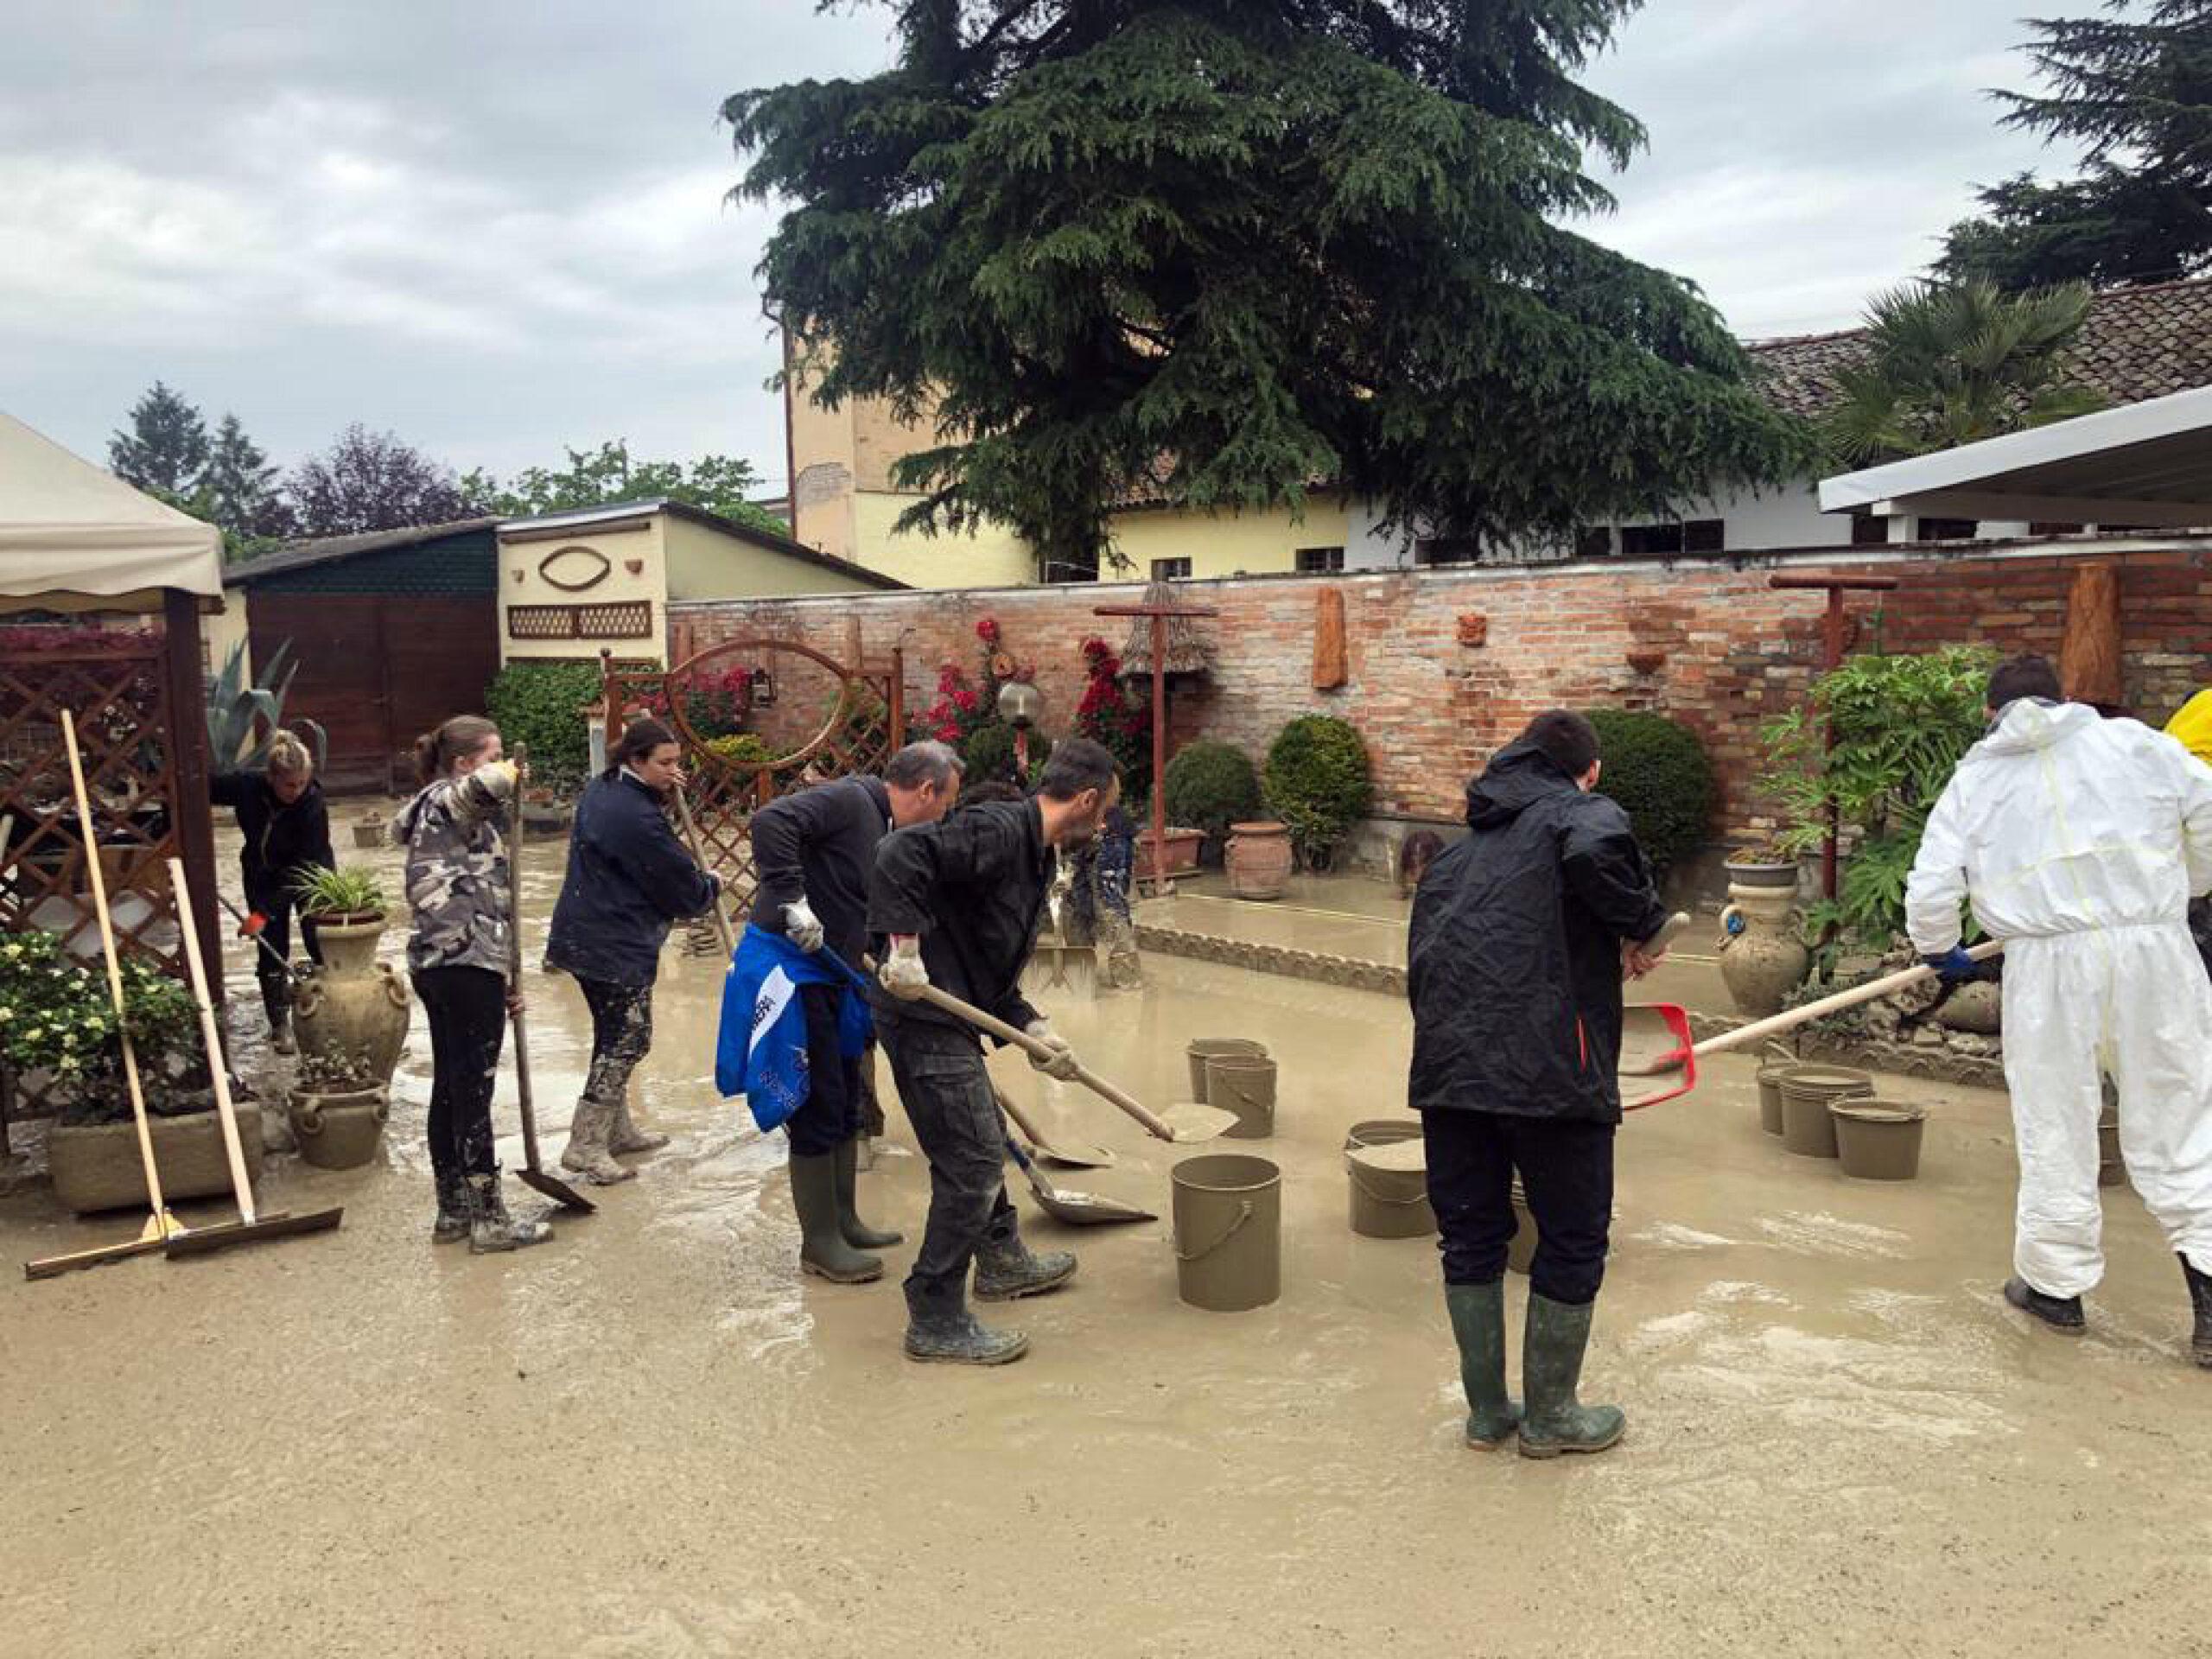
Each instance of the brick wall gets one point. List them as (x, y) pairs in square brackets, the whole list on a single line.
[(1708, 642)]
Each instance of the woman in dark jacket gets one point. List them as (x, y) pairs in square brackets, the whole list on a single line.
[(629, 877), (284, 826)]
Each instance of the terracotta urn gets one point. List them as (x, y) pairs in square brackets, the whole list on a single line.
[(1763, 953), (350, 1014), (1259, 860), (338, 1130)]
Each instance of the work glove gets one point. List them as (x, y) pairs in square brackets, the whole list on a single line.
[(1059, 1059), (803, 927), (498, 778), (902, 973), (1954, 966)]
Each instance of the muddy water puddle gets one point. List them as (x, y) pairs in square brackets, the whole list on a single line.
[(652, 1438)]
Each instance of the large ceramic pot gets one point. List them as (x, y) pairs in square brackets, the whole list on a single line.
[(351, 1013), (1763, 955), (98, 1166), (1259, 860), (338, 1131)]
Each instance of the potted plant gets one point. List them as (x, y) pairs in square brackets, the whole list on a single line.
[(350, 1015), (1317, 782), (1211, 787), (58, 1025), (1763, 865)]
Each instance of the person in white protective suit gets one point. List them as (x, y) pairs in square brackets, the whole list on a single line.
[(2080, 842)]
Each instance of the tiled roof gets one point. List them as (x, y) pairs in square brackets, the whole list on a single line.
[(2138, 343)]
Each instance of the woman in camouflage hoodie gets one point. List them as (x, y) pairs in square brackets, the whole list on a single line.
[(459, 958)]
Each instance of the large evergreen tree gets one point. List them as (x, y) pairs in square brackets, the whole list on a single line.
[(165, 446), (240, 487), (1220, 251), (2138, 95)]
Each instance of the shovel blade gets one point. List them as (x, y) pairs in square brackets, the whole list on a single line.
[(1088, 1210), (556, 1189), (1192, 1123), (1658, 1055)]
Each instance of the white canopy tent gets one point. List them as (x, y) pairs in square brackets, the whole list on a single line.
[(2147, 464), (75, 537)]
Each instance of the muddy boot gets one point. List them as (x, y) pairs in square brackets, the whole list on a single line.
[(858, 1234), (626, 1138), (1006, 1272), (280, 1033), (821, 1249), (953, 1336), (491, 1229), (1478, 1324), (586, 1155), (1551, 1346), (2200, 1297), (453, 1210), (2059, 1312)]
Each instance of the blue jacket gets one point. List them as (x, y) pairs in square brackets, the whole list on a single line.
[(760, 1049), (629, 877)]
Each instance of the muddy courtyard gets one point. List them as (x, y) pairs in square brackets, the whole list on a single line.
[(651, 1439)]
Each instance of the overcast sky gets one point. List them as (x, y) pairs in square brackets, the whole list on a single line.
[(498, 228)]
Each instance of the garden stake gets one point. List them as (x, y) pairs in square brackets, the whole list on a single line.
[(161, 1226), (251, 1224), (532, 1174)]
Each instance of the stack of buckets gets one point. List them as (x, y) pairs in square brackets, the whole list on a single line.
[(1830, 1111), (1228, 1205)]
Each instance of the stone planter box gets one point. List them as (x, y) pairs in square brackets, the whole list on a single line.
[(1181, 847), (96, 1167)]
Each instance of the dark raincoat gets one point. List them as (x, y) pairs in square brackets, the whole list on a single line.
[(629, 877)]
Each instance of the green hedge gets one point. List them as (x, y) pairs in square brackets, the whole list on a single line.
[(1657, 770), (1209, 786), (541, 704), (1317, 782), (987, 753)]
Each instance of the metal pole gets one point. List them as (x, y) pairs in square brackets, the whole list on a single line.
[(1831, 656)]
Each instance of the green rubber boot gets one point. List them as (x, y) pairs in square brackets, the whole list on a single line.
[(858, 1233), (1478, 1323), (822, 1250), (1552, 1348)]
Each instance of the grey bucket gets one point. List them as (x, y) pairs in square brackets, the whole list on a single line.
[(1807, 1094), (1772, 1070), (1386, 1202), (1202, 1049), (1227, 1232), (1244, 1084), (1879, 1139)]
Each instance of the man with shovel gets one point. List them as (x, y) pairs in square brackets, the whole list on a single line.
[(1521, 936), (959, 901), (2080, 842)]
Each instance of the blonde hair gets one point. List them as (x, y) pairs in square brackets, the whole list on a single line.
[(287, 756)]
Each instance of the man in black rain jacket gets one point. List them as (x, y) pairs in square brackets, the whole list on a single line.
[(1521, 936)]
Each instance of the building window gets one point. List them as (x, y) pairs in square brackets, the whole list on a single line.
[(1705, 536), (1869, 529), (1170, 569), (1447, 550), (1319, 560), (1656, 540), (2046, 527), (1593, 542), (1946, 530)]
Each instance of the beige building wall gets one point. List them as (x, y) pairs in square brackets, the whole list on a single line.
[(992, 557), (704, 563), (1227, 544), (218, 634), (523, 581)]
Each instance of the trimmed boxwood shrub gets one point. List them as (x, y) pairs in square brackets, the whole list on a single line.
[(1657, 770), (1317, 783), (541, 704), (987, 753), (1209, 786)]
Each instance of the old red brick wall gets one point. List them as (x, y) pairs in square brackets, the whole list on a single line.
[(1445, 665)]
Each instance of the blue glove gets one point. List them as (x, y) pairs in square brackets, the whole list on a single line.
[(1954, 966)]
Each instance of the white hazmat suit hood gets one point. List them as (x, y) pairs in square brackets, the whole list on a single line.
[(2080, 841)]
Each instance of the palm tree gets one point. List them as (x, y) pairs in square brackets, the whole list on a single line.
[(1950, 363)]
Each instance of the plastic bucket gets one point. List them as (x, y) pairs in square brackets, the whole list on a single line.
[(1521, 1253), (1808, 1127), (1227, 1232), (1201, 1049), (1879, 1139), (1244, 1084), (1389, 1192)]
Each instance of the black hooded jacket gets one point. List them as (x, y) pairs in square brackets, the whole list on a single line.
[(1514, 965), (276, 842)]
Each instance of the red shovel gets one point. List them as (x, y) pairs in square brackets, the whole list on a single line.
[(1655, 1038)]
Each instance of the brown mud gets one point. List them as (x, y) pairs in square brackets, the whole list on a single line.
[(652, 1438)]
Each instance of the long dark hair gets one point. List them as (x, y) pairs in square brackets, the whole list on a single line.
[(436, 751), (640, 739)]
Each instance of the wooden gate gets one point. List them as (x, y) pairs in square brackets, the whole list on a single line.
[(806, 719)]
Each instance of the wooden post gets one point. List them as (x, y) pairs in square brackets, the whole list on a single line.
[(187, 738), (1159, 613), (2089, 655), (1329, 669), (1832, 659)]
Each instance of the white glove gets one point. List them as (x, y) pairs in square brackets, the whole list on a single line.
[(498, 777), (1059, 1062), (902, 973), (802, 926)]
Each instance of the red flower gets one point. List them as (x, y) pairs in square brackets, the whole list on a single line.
[(965, 700), (988, 630), (947, 733)]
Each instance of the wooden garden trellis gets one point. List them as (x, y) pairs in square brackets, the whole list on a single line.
[(863, 727)]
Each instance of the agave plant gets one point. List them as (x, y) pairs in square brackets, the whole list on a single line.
[(235, 743)]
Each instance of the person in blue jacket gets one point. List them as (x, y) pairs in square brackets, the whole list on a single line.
[(629, 877)]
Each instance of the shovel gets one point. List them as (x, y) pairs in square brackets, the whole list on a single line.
[(1077, 1209), (532, 1174), (1656, 1037), (698, 857), (1076, 1158), (251, 1224)]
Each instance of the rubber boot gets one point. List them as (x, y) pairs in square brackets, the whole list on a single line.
[(1551, 1346), (822, 1250), (1008, 1271), (586, 1155), (1478, 1325), (2059, 1312), (453, 1209), (491, 1229), (626, 1138), (953, 1336), (2200, 1298), (280, 1033), (858, 1234)]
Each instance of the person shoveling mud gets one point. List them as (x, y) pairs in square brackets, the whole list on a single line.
[(2080, 842), (960, 900), (1521, 936)]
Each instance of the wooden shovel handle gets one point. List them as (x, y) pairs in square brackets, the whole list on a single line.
[(1874, 989), (218, 1071), (699, 857)]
